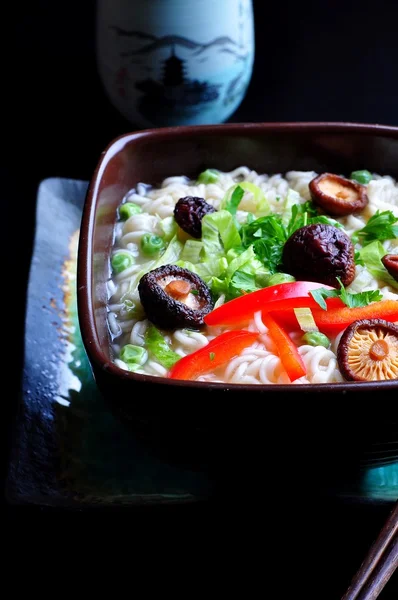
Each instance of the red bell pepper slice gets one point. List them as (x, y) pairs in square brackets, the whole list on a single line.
[(334, 320), (276, 297), (287, 350), (217, 352)]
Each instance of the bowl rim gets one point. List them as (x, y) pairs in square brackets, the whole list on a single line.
[(84, 275)]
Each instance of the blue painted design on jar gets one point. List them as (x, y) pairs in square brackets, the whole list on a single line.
[(175, 62)]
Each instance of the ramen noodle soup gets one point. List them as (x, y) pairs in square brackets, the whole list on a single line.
[(243, 277)]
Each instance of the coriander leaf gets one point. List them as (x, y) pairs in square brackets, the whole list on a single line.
[(241, 282), (320, 294), (358, 299), (300, 215), (362, 298), (307, 214), (381, 226), (267, 235), (351, 300)]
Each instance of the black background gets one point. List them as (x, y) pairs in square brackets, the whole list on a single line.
[(329, 61)]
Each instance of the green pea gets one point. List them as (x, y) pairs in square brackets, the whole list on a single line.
[(316, 338), (151, 244), (208, 176), (128, 210), (121, 261), (361, 176), (133, 356)]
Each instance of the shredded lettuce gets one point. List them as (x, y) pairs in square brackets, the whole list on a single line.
[(234, 259), (219, 288), (371, 255), (245, 273), (168, 225), (240, 260), (292, 198), (219, 234), (277, 278), (227, 270), (157, 345), (234, 201), (208, 270), (192, 251), (235, 194)]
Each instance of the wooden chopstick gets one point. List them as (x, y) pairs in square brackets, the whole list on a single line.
[(381, 575), (379, 564)]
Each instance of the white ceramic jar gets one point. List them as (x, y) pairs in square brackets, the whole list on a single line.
[(175, 62)]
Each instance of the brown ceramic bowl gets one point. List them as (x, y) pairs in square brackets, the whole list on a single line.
[(160, 407)]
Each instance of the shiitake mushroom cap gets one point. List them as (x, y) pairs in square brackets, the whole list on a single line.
[(189, 212), (390, 261), (169, 311), (337, 195), (368, 351), (320, 252)]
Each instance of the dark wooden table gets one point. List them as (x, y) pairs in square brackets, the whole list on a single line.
[(335, 63)]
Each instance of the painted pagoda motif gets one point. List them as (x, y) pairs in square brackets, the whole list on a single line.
[(175, 93), (173, 70)]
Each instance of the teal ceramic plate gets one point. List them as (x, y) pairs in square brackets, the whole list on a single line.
[(68, 450)]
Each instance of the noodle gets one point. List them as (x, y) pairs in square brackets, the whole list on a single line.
[(258, 364)]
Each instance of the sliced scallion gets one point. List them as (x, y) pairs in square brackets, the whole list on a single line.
[(305, 319)]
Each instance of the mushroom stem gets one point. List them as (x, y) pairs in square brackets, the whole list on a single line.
[(379, 350), (178, 288)]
